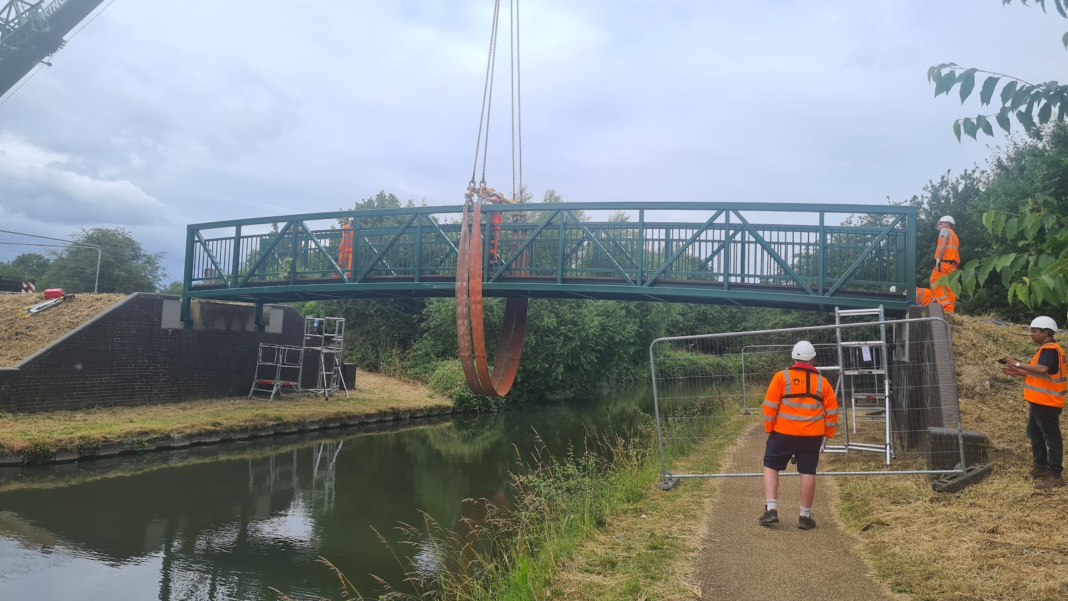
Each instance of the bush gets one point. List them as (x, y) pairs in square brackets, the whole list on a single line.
[(448, 380)]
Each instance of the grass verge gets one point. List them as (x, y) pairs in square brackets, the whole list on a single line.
[(1000, 539), (42, 432), (590, 525)]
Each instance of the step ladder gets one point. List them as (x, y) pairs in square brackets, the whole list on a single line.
[(863, 388)]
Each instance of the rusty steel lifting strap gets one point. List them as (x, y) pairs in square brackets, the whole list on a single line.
[(470, 329)]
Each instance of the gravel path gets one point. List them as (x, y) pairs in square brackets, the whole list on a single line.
[(742, 560)]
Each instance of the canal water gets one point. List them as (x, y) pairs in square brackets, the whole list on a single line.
[(233, 521)]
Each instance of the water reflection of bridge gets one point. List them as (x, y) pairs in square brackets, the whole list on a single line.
[(776, 255)]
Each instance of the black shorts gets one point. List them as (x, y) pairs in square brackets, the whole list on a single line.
[(783, 446)]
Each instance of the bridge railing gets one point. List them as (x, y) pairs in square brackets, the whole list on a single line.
[(813, 250)]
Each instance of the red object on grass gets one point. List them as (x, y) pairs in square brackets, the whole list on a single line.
[(52, 293)]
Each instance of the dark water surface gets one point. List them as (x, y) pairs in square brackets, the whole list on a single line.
[(229, 521)]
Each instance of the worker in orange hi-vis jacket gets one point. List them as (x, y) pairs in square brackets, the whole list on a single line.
[(947, 259), (800, 412), (1045, 386), (492, 196), (344, 257)]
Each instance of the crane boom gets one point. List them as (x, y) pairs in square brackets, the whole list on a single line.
[(30, 32)]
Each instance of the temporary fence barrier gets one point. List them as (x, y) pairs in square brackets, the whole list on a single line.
[(704, 389)]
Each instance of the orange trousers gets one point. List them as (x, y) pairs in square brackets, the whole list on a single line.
[(938, 294)]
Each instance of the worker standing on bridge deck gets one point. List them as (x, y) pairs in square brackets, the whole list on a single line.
[(800, 411), (492, 196), (1045, 384), (947, 259), (344, 257)]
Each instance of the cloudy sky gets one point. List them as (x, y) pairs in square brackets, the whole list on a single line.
[(167, 112)]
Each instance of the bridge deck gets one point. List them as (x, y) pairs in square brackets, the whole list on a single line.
[(773, 255)]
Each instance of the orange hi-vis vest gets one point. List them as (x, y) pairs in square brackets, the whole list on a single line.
[(1045, 389), (800, 402), (951, 249)]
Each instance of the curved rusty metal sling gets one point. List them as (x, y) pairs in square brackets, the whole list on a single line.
[(470, 330)]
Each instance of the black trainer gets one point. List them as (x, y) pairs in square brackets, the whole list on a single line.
[(771, 516), (806, 523)]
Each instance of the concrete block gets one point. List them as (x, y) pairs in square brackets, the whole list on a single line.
[(941, 448), (8, 459), (66, 455), (111, 449)]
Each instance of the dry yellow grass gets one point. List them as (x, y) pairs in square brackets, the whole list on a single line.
[(23, 337), (375, 393), (1000, 539)]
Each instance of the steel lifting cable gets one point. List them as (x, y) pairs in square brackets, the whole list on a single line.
[(470, 327)]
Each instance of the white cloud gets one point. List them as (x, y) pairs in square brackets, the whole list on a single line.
[(38, 184)]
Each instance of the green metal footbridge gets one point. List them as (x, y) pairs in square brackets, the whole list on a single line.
[(793, 256)]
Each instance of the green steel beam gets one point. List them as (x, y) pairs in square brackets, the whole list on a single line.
[(315, 241), (780, 207), (371, 265), (564, 276), (774, 255), (598, 244), (529, 241), (266, 253), (211, 257), (683, 248), (860, 260)]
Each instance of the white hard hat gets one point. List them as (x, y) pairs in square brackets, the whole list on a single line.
[(947, 219), (1043, 322), (803, 351)]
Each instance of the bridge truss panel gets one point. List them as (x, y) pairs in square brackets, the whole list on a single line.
[(796, 256), (702, 396)]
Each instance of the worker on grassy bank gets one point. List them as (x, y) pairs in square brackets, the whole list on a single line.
[(800, 412), (947, 259), (1045, 383)]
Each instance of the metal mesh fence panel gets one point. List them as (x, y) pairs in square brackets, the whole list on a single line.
[(889, 378)]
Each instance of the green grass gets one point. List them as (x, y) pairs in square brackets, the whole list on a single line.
[(43, 433), (586, 525)]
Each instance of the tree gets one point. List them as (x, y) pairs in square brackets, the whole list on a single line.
[(1023, 204), (125, 267), (34, 265), (174, 288), (26, 266), (1021, 100)]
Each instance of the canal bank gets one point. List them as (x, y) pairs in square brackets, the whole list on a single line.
[(236, 525), (67, 436)]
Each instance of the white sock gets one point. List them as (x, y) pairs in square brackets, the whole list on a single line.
[(806, 512), (773, 504)]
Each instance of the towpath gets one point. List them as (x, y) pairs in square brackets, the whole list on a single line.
[(741, 560)]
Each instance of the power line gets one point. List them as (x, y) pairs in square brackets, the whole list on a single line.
[(69, 243)]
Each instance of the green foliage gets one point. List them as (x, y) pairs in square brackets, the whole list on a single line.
[(26, 266), (125, 267), (1035, 273), (174, 288), (11, 272), (448, 380), (1031, 105)]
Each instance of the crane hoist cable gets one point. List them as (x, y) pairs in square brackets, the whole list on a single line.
[(470, 326)]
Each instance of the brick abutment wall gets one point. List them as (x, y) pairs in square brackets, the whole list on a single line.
[(125, 356)]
